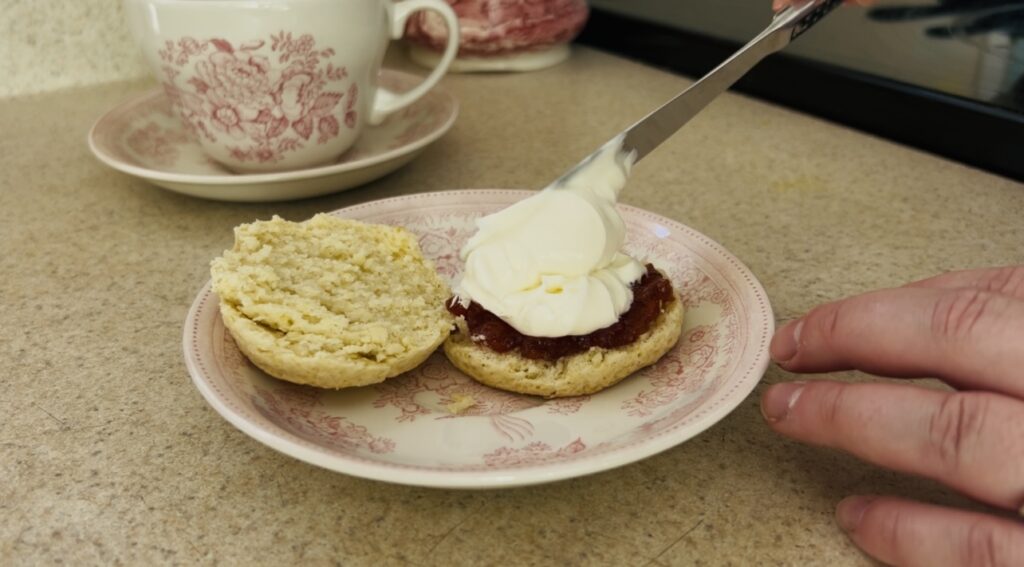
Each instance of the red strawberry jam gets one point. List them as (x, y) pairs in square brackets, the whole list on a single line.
[(650, 293)]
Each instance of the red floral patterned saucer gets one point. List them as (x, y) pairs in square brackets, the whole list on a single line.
[(143, 137), (408, 429)]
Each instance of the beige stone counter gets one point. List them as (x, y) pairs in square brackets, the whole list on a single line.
[(109, 455)]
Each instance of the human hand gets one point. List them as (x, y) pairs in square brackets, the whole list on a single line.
[(966, 328), (780, 4)]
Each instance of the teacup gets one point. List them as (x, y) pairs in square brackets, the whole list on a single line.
[(272, 85)]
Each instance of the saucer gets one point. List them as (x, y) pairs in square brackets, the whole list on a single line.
[(143, 138), (417, 429)]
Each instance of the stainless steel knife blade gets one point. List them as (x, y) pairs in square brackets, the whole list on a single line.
[(650, 131)]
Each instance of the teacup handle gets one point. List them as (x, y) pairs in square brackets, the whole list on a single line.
[(387, 102)]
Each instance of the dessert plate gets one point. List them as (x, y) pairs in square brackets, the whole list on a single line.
[(417, 429), (143, 138)]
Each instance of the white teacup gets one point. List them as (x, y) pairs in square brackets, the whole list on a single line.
[(272, 85)]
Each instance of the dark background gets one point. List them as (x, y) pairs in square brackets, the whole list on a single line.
[(982, 135)]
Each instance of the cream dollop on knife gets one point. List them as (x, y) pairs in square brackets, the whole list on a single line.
[(551, 265)]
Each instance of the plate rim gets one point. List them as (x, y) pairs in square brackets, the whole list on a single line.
[(261, 178), (536, 473)]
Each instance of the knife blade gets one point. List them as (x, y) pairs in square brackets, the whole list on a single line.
[(650, 131)]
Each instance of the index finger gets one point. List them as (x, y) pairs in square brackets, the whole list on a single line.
[(969, 337), (971, 441)]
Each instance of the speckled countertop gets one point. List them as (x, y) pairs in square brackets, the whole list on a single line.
[(109, 455)]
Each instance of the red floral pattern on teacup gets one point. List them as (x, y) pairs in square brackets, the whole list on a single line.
[(268, 98), (126, 136)]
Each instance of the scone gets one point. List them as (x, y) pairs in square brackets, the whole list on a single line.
[(577, 374), (330, 302)]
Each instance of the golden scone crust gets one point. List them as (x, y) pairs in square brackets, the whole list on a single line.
[(330, 302), (576, 375)]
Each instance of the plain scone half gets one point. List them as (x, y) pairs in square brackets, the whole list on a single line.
[(574, 375), (330, 302)]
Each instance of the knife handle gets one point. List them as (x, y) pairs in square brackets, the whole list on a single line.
[(809, 19)]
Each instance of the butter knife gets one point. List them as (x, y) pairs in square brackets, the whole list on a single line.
[(650, 131)]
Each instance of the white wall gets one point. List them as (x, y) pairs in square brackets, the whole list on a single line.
[(52, 44)]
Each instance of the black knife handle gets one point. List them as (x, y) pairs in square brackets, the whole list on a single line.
[(813, 17)]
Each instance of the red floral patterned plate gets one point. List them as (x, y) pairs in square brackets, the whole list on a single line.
[(144, 138), (407, 429)]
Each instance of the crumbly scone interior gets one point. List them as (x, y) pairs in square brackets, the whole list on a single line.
[(333, 287)]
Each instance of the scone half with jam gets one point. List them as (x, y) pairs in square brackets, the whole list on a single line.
[(330, 302), (549, 303), (494, 353)]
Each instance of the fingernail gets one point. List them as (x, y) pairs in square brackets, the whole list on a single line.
[(851, 510), (785, 342), (777, 5), (779, 399)]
